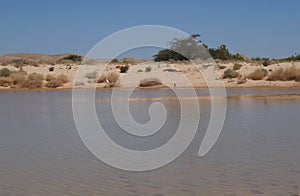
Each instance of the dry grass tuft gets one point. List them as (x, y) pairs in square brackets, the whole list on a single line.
[(54, 83), (17, 78), (150, 82), (35, 76), (49, 77), (31, 84), (229, 73), (5, 82), (288, 74), (258, 74), (63, 78)]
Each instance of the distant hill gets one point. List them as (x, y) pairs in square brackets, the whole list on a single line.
[(34, 57)]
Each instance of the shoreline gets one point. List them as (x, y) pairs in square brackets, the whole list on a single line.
[(148, 88)]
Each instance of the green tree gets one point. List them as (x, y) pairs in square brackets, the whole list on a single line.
[(189, 48), (221, 52)]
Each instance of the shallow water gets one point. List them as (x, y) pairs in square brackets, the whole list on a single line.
[(257, 153)]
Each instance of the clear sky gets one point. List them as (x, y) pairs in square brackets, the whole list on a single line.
[(253, 27)]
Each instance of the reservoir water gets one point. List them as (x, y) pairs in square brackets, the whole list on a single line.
[(257, 153)]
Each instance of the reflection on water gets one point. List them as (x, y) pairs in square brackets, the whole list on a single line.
[(42, 154)]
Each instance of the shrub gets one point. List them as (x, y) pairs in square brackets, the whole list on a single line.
[(5, 81), (128, 60), (258, 74), (148, 69), (221, 66), (91, 75), (63, 78), (49, 77), (102, 79), (266, 62), (17, 78), (113, 77), (54, 83), (291, 73), (30, 83), (35, 76), (124, 69), (4, 72), (22, 71), (73, 58), (150, 82), (114, 61), (229, 73), (241, 79), (237, 66)]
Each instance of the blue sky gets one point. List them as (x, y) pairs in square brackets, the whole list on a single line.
[(254, 28)]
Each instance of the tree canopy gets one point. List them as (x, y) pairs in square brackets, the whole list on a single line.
[(192, 48)]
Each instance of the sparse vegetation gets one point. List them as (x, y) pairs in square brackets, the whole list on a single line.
[(150, 82), (237, 66), (258, 74), (288, 74), (229, 73)]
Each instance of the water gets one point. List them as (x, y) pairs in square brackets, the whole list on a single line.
[(257, 152)]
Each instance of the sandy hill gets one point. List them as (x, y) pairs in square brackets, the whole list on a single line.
[(33, 57)]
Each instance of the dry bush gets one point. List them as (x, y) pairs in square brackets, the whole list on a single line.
[(128, 61), (124, 69), (241, 79), (102, 79), (54, 83), (221, 66), (91, 75), (49, 77), (35, 76), (288, 74), (30, 83), (237, 66), (113, 77), (4, 72), (17, 78), (258, 74), (22, 71), (229, 73), (4, 81), (150, 82), (63, 78)]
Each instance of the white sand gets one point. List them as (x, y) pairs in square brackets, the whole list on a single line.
[(182, 75)]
